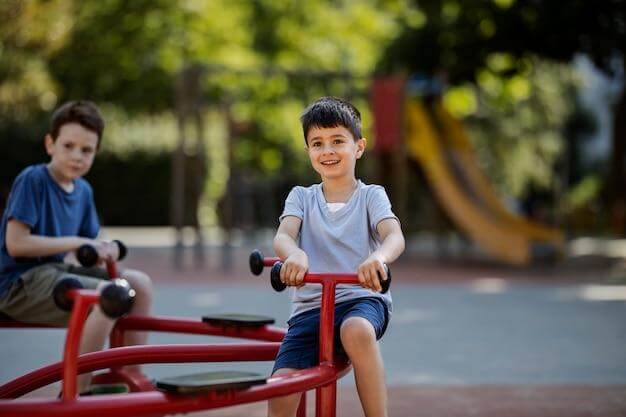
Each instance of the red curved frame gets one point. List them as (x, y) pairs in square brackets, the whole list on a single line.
[(144, 399)]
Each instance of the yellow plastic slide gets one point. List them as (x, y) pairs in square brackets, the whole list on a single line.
[(458, 145), (495, 236)]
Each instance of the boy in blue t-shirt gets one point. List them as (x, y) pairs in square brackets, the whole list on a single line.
[(50, 212), (341, 225)]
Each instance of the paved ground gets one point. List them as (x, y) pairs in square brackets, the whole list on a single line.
[(467, 339)]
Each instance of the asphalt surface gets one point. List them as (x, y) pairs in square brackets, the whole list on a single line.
[(485, 332)]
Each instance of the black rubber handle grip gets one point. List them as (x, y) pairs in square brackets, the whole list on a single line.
[(122, 249), (385, 284), (256, 262), (87, 255), (59, 293), (117, 298), (277, 284)]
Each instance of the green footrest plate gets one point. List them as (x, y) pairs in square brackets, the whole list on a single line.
[(210, 381), (241, 320)]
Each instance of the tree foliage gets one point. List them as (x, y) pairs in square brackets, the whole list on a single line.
[(461, 37)]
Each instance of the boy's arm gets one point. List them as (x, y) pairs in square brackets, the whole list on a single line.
[(391, 247), (21, 243), (295, 260)]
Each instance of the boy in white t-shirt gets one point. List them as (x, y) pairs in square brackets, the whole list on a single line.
[(341, 225)]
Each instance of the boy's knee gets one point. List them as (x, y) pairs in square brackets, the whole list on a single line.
[(140, 281), (357, 332)]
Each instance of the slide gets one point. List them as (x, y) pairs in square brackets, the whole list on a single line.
[(504, 236), (459, 150)]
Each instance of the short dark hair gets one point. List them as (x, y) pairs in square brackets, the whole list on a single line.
[(83, 112), (331, 112)]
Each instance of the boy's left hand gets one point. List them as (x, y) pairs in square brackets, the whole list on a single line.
[(370, 270)]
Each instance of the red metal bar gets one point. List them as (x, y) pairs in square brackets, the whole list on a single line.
[(159, 403), (327, 318), (195, 326), (141, 354), (326, 396), (270, 261), (314, 278), (116, 338), (112, 269), (83, 300)]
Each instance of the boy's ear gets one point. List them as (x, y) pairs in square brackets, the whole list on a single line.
[(49, 143), (361, 144)]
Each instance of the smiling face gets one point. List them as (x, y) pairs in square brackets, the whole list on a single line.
[(333, 152), (72, 153)]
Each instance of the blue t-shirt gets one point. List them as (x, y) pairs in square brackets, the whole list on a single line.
[(39, 202), (337, 241)]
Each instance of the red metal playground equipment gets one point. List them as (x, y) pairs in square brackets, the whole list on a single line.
[(186, 393)]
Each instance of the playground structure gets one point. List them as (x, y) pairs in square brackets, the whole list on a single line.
[(179, 394), (436, 140)]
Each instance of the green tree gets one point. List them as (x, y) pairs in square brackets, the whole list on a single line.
[(30, 33)]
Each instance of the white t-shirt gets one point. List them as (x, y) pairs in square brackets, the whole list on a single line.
[(336, 240), (333, 207)]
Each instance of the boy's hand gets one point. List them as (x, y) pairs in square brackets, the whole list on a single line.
[(294, 268), (107, 251), (369, 271)]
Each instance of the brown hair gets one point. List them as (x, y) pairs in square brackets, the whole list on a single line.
[(331, 112), (83, 112)]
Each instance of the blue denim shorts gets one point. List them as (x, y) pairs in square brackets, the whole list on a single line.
[(300, 347)]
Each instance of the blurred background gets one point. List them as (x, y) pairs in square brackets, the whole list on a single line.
[(494, 117), (496, 126)]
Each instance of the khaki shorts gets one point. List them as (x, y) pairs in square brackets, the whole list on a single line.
[(29, 299)]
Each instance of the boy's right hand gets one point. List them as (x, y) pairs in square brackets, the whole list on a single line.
[(107, 251), (294, 268)]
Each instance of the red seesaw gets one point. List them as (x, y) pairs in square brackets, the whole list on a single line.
[(187, 393)]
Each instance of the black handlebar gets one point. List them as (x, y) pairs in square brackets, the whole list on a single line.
[(256, 262), (279, 286), (116, 299), (275, 280)]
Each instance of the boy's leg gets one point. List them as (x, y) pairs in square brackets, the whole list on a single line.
[(31, 300), (363, 322), (142, 306), (298, 350), (283, 406), (97, 328), (358, 338)]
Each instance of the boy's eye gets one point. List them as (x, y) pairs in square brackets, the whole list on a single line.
[(316, 144), (338, 141), (88, 150)]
